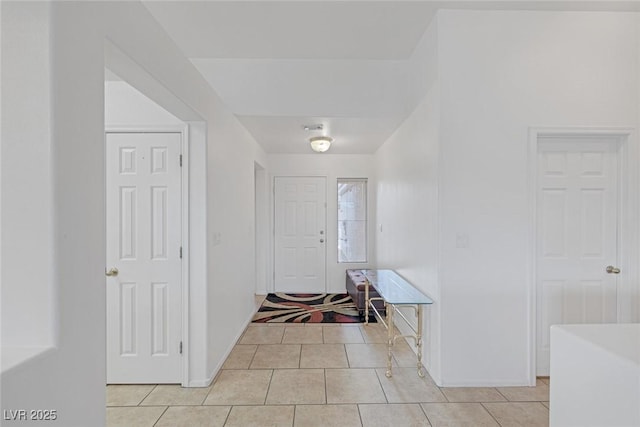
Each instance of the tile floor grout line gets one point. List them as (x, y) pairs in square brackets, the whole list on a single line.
[(268, 387), (499, 392), (326, 392), (361, 334), (424, 411), (226, 419), (375, 371), (443, 393), (359, 414), (253, 356), (209, 392), (346, 355), (490, 413), (161, 415), (147, 395), (293, 421)]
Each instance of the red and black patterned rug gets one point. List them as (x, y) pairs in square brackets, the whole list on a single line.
[(307, 308)]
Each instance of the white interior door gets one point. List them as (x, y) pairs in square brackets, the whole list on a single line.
[(300, 234), (577, 226), (143, 244)]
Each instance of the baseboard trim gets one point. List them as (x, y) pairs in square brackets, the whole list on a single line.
[(216, 371), (485, 383), (201, 383)]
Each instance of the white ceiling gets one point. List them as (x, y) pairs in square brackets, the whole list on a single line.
[(294, 30), (359, 102), (346, 64)]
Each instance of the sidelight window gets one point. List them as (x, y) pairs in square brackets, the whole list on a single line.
[(352, 220)]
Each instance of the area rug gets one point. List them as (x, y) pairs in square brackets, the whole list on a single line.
[(307, 308)]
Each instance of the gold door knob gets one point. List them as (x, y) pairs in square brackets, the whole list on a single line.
[(113, 272), (613, 270)]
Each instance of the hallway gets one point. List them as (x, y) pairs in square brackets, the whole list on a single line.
[(443, 107), (323, 375)]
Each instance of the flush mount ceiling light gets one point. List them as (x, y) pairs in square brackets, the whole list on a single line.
[(320, 144)]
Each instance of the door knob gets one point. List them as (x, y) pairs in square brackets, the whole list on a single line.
[(321, 240), (612, 270), (112, 272)]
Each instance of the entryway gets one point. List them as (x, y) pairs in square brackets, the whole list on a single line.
[(300, 234), (579, 236), (144, 257)]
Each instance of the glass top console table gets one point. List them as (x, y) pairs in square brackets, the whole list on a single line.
[(396, 293)]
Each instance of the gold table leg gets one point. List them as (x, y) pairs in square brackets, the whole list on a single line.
[(419, 342), (390, 308), (366, 302)]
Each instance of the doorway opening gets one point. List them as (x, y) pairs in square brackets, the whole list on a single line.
[(147, 281)]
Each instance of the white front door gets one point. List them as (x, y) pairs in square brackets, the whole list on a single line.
[(300, 234), (144, 320), (577, 226)]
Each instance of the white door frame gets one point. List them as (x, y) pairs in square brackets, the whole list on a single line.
[(272, 285), (627, 245), (261, 227), (183, 130)]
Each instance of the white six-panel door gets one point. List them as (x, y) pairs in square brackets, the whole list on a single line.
[(300, 234), (143, 182), (577, 226)]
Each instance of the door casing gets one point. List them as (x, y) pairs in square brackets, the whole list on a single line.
[(627, 219), (184, 202)]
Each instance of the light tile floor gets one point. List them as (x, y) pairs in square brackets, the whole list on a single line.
[(321, 376)]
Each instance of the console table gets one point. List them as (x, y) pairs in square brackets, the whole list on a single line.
[(396, 293)]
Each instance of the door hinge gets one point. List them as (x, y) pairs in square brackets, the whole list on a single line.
[(180, 160), (180, 347), (180, 252)]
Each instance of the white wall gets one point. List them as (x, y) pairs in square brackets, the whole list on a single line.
[(71, 377), (27, 315), (262, 227), (407, 213), (232, 154), (407, 168), (331, 166), (501, 73), (635, 302), (422, 67), (125, 105), (498, 74)]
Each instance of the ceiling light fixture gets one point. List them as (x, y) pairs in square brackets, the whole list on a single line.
[(320, 144)]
